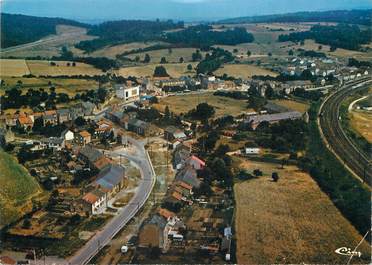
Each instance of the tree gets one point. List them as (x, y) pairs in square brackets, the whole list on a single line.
[(137, 58), (270, 54), (189, 67), (170, 50), (249, 53), (290, 52), (80, 121), (163, 60), (196, 56), (222, 150), (332, 48), (320, 47), (275, 176), (257, 172), (203, 111), (147, 58), (181, 60), (235, 50), (160, 71), (302, 42)]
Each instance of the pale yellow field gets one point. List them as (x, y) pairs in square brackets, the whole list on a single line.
[(291, 104), (44, 68), (174, 70), (362, 123), (112, 51), (291, 221), (13, 67), (173, 57), (183, 103), (243, 71)]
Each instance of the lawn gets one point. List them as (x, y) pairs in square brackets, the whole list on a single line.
[(183, 103), (174, 70), (291, 104), (291, 221), (17, 189), (243, 71)]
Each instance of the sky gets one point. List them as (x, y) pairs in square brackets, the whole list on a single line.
[(188, 10)]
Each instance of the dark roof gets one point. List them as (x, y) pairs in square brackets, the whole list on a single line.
[(91, 153), (274, 117), (110, 176), (189, 176), (138, 123), (53, 140)]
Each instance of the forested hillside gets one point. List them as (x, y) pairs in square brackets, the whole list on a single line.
[(362, 17), (21, 29)]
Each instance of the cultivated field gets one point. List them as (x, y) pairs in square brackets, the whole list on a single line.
[(13, 67), (50, 46), (172, 57), (243, 71), (362, 123), (291, 221), (183, 103), (112, 51), (174, 70), (291, 104), (17, 189), (18, 67)]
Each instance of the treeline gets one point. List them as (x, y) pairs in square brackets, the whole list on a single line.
[(349, 37), (346, 192), (312, 53), (361, 17), (21, 29), (232, 94), (214, 61), (203, 35), (125, 31), (356, 63)]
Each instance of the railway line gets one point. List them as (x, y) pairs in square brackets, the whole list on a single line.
[(357, 161)]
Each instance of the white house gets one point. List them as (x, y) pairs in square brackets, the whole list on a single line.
[(127, 93), (252, 150), (95, 201), (67, 135)]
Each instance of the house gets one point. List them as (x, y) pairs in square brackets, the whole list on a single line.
[(180, 155), (6, 260), (102, 162), (83, 138), (152, 233), (195, 162), (115, 116), (111, 179), (188, 175), (95, 202), (251, 149), (173, 133), (173, 82), (24, 121), (90, 155), (127, 92), (56, 143), (139, 127), (50, 117), (67, 135), (255, 120), (63, 115), (166, 213), (103, 128), (88, 108)]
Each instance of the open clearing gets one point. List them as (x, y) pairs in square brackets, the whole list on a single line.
[(291, 104), (17, 67), (362, 123), (17, 189), (50, 46), (243, 71), (266, 211), (174, 70), (183, 103)]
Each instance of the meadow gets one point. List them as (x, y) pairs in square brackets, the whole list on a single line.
[(243, 71), (267, 210)]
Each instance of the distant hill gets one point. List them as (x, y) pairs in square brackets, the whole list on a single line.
[(21, 29), (361, 17)]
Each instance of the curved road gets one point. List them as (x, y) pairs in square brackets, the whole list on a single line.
[(357, 161), (103, 237)]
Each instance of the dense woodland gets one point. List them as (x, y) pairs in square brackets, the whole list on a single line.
[(126, 31), (21, 29), (204, 36), (341, 36), (361, 17)]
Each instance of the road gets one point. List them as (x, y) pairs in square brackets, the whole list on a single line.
[(103, 237), (357, 161)]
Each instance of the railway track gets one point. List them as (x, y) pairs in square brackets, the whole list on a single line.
[(357, 161)]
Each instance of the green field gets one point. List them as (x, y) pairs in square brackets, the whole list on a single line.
[(17, 189)]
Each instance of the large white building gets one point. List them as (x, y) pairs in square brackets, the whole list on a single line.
[(127, 92)]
